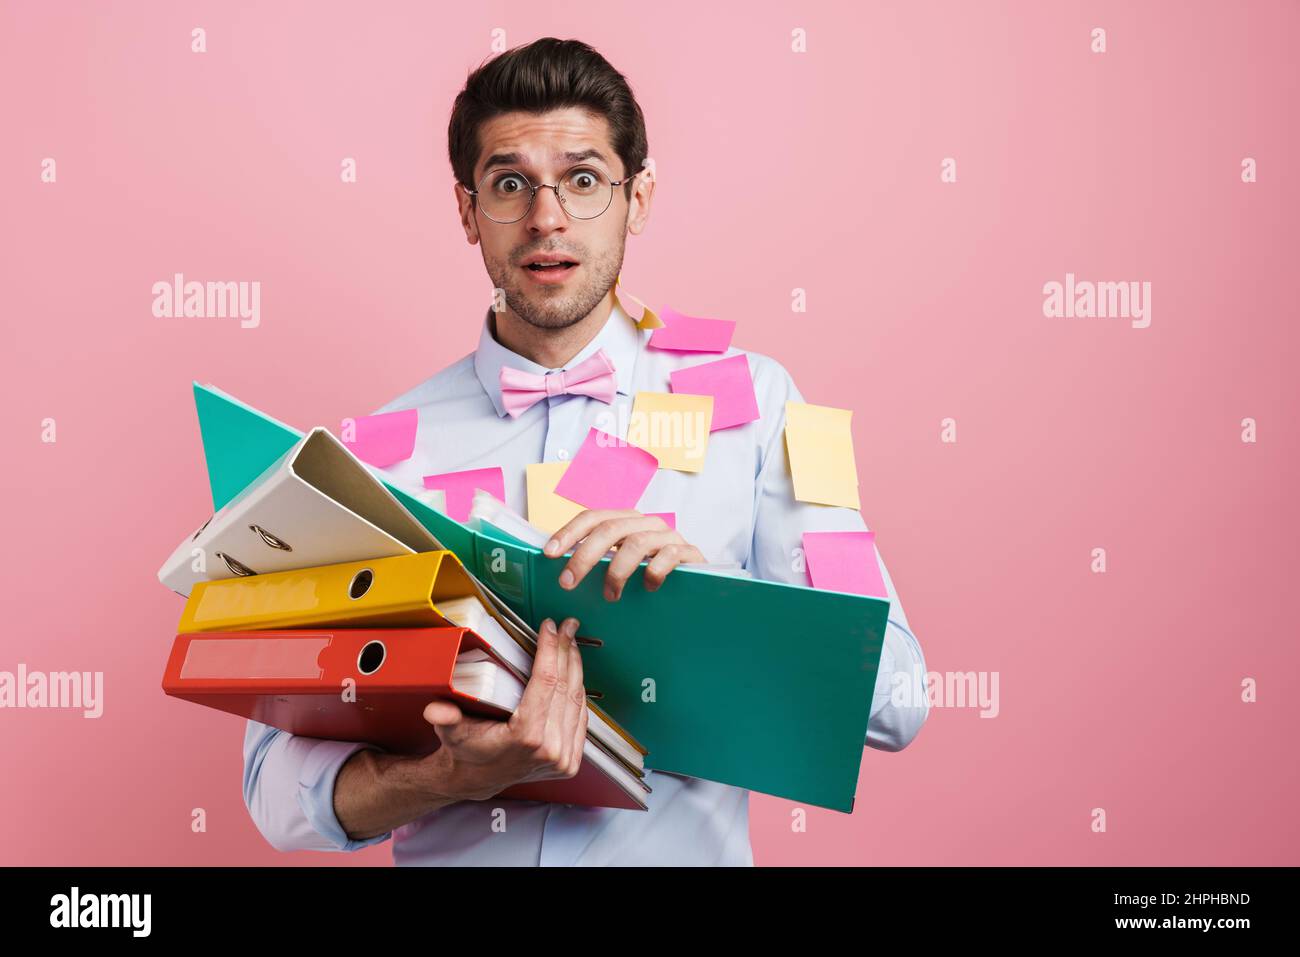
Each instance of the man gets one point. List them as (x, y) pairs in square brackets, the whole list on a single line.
[(547, 144)]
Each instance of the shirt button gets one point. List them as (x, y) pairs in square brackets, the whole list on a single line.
[(562, 455)]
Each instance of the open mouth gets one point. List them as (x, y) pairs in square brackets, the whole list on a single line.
[(556, 267), (552, 273)]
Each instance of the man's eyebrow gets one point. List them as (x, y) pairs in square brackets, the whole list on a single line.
[(572, 156), (586, 154)]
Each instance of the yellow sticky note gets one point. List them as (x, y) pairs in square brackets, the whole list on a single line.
[(649, 318), (820, 445), (673, 427), (547, 510)]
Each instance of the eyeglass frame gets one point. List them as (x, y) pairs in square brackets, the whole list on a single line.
[(556, 187)]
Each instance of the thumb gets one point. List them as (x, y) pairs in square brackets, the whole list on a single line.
[(442, 714)]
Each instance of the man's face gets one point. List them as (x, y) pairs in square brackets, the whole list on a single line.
[(542, 147)]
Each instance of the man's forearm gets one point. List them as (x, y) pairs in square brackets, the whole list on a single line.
[(376, 792)]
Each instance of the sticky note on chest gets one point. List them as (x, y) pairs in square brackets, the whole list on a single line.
[(672, 428), (607, 472), (547, 510), (459, 488)]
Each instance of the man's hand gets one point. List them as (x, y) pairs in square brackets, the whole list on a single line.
[(376, 792), (541, 741), (637, 536)]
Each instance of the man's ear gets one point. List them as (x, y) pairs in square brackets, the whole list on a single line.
[(466, 207), (638, 209)]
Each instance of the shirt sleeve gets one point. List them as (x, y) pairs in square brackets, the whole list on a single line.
[(289, 789), (776, 554), (289, 786)]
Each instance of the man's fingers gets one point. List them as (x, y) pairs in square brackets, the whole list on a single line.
[(541, 684), (579, 739), (576, 696), (539, 718), (599, 541), (563, 714), (665, 560), (548, 743), (634, 550), (550, 722), (580, 526)]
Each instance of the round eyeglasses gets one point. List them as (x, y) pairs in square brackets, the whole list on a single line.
[(506, 195)]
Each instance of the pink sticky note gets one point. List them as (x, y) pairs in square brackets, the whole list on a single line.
[(844, 561), (729, 382), (607, 473), (669, 517), (382, 440), (691, 334), (460, 487)]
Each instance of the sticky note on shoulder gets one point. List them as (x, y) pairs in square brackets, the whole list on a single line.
[(546, 510), (381, 440), (673, 428), (681, 333), (820, 445), (844, 561), (730, 383), (607, 472)]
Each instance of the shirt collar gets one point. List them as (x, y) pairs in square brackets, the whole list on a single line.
[(619, 337)]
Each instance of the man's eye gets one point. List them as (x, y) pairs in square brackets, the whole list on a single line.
[(510, 183), (585, 180)]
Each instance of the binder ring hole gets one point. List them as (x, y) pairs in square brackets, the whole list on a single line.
[(361, 583), (372, 657)]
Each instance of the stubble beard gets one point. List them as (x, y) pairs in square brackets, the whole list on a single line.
[(552, 309)]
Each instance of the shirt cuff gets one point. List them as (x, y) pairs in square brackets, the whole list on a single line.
[(316, 792), (900, 705)]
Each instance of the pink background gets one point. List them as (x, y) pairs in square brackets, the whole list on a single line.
[(1119, 691)]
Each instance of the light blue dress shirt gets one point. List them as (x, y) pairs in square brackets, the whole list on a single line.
[(739, 508)]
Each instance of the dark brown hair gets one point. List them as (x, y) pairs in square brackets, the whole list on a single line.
[(547, 74)]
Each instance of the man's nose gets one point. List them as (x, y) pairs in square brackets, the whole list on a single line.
[(547, 213)]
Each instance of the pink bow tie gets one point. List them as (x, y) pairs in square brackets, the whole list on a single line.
[(594, 377)]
